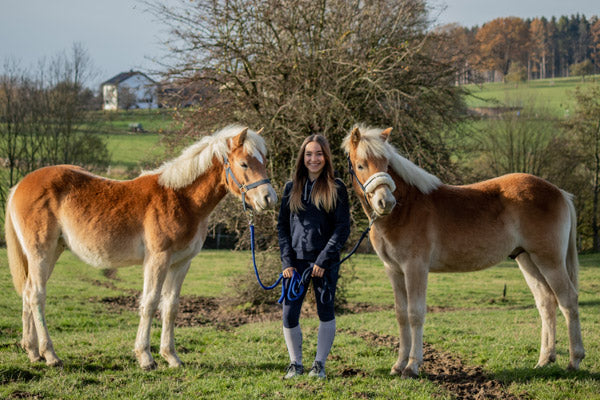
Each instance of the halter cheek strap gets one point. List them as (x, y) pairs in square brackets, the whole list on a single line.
[(243, 188)]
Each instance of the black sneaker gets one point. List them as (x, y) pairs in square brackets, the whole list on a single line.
[(317, 370), (293, 370)]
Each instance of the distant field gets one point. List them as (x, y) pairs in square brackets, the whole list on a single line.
[(132, 150), (152, 121), (555, 94)]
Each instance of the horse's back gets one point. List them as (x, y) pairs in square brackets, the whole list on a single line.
[(94, 216), (480, 224), (44, 188)]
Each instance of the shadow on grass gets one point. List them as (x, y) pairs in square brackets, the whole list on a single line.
[(10, 374), (550, 372), (589, 303)]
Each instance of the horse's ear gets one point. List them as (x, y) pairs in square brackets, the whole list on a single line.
[(241, 137), (386, 134), (260, 131), (355, 136)]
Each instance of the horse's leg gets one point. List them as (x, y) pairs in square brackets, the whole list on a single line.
[(34, 295), (555, 272), (169, 308), (546, 304), (399, 286), (30, 338), (416, 290), (155, 269)]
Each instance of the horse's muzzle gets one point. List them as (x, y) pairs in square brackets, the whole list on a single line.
[(263, 198), (382, 201)]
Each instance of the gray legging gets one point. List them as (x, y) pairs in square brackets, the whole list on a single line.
[(291, 309)]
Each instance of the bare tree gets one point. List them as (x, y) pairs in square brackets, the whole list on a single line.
[(297, 67), (40, 118), (303, 66)]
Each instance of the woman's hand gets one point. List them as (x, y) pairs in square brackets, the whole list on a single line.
[(318, 271), (288, 272)]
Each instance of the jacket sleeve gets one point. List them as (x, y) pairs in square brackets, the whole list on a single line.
[(341, 230), (288, 256)]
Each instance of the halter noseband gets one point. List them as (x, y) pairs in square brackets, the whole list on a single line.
[(243, 188), (378, 178)]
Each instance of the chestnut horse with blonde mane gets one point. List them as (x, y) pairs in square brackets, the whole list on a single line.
[(425, 226), (158, 220)]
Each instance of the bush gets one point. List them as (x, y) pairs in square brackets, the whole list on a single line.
[(516, 73)]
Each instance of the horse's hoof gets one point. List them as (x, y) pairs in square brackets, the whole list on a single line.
[(409, 374), (150, 366), (395, 372), (544, 361), (57, 363), (34, 357), (572, 367)]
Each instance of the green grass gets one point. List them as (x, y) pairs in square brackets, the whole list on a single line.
[(132, 151), (111, 122), (95, 343), (554, 94)]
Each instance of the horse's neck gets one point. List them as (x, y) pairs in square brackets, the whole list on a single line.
[(404, 190), (207, 190)]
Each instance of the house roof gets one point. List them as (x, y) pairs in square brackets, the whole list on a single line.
[(115, 80)]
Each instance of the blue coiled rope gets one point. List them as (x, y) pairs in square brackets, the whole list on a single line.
[(293, 287)]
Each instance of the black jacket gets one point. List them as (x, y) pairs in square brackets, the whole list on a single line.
[(313, 234)]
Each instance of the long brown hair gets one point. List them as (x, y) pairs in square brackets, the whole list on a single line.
[(324, 193)]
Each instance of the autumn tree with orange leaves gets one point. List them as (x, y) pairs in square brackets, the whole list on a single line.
[(538, 36), (502, 41)]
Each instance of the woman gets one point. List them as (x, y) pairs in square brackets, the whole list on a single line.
[(313, 225)]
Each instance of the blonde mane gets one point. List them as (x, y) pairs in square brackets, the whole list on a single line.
[(197, 158), (372, 145)]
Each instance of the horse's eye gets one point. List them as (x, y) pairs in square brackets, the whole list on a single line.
[(244, 165), (360, 167)]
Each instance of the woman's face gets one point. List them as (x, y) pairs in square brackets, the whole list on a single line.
[(314, 159)]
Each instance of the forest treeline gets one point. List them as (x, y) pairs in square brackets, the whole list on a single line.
[(512, 48)]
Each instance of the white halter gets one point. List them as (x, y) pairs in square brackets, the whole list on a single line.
[(379, 178)]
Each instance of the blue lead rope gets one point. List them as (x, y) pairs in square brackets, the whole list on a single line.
[(293, 287)]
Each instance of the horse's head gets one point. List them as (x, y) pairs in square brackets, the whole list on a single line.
[(246, 172), (368, 164)]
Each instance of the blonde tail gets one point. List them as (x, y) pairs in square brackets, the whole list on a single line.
[(572, 260), (17, 260)]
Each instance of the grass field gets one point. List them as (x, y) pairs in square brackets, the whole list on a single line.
[(553, 94), (470, 321)]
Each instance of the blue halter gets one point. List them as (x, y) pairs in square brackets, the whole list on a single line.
[(243, 188)]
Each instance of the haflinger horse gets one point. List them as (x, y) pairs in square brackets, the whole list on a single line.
[(158, 220), (425, 226)]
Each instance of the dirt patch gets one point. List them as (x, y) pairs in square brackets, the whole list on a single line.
[(19, 394), (197, 310), (448, 371)]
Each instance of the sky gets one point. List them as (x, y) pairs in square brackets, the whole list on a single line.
[(120, 35)]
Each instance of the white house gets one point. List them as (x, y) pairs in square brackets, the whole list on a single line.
[(131, 89)]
